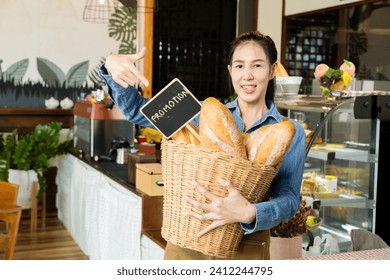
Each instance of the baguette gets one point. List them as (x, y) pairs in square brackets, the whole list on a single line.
[(188, 134), (218, 130), (269, 143)]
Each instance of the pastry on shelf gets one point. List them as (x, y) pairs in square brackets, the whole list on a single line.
[(309, 134)]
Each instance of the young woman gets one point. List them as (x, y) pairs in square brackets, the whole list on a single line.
[(252, 68)]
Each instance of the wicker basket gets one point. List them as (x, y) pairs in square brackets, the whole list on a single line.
[(181, 165)]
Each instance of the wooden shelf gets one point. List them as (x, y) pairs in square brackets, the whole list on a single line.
[(152, 218), (155, 236)]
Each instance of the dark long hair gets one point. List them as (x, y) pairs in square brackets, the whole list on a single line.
[(270, 51)]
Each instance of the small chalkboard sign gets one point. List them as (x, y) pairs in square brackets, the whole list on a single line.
[(172, 108)]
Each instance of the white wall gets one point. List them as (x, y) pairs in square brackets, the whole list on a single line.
[(51, 29), (270, 16)]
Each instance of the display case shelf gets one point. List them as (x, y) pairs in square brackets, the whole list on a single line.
[(342, 199), (307, 103), (351, 134), (349, 200), (331, 153)]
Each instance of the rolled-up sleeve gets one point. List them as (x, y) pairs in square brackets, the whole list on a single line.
[(128, 100)]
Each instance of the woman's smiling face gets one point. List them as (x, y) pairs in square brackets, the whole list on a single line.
[(250, 72)]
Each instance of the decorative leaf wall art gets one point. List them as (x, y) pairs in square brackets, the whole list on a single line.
[(77, 74), (15, 72), (94, 73), (123, 27), (53, 76), (18, 90)]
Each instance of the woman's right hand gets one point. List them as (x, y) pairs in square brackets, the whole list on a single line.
[(221, 210), (123, 70)]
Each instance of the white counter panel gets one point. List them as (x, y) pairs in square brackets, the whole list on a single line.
[(103, 217)]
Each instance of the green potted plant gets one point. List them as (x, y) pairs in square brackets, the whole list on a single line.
[(32, 151)]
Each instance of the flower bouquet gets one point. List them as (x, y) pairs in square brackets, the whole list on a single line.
[(334, 79)]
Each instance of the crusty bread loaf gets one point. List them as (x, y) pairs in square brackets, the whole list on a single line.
[(218, 130), (280, 70), (269, 143), (188, 134)]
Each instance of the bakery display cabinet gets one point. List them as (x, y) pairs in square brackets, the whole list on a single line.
[(346, 153)]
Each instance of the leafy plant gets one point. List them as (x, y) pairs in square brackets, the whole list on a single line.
[(33, 151)]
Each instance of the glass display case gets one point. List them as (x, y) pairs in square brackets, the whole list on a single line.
[(345, 163)]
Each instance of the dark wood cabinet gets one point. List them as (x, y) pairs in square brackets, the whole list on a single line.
[(25, 119)]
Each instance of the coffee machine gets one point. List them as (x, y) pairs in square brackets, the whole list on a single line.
[(99, 131)]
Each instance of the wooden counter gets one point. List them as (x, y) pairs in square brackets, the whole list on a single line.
[(25, 119)]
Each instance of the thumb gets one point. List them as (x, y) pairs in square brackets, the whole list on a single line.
[(136, 57), (139, 55)]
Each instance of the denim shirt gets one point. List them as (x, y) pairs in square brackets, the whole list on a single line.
[(285, 189)]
